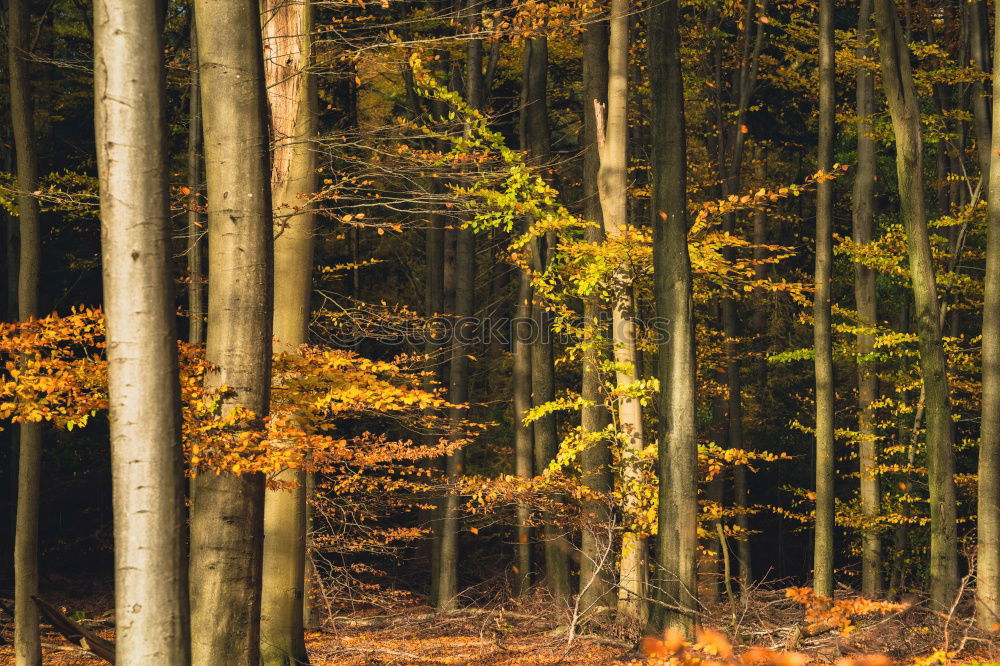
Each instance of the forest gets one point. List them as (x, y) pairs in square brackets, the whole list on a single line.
[(500, 332)]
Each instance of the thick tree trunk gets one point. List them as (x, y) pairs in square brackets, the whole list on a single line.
[(864, 294), (613, 187), (822, 334), (897, 81), (988, 526), (291, 91), (151, 596), (195, 229), (227, 513), (27, 648), (677, 536), (595, 587)]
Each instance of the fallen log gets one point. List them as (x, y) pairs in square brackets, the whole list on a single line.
[(75, 633)]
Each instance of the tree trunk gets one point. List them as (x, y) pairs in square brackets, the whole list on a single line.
[(677, 536), (151, 596), (613, 188), (227, 513), (988, 526), (27, 648), (864, 294), (291, 92), (976, 13), (822, 334), (523, 438), (897, 81), (595, 461), (195, 229), (536, 139), (458, 383)]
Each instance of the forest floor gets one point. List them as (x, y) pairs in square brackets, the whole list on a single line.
[(535, 633)]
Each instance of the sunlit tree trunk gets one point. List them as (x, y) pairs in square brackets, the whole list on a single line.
[(677, 468), (227, 511), (864, 293), (195, 229), (613, 188), (523, 437), (978, 32), (291, 95), (27, 647), (151, 595), (822, 334), (988, 525), (897, 81), (595, 541)]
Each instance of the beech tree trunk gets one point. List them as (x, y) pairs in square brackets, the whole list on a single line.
[(151, 596), (978, 31), (195, 229), (988, 525), (613, 187), (897, 81), (864, 293), (536, 139), (27, 648), (677, 469), (822, 334), (523, 436), (596, 548), (291, 92), (227, 512), (458, 383)]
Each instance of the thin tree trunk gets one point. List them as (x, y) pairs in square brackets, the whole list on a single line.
[(151, 596), (976, 12), (988, 525), (227, 513), (864, 293), (536, 138), (595, 461), (195, 229), (822, 334), (613, 188), (27, 647), (291, 92), (677, 536), (523, 438), (458, 384), (897, 81)]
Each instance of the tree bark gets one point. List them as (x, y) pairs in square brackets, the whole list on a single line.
[(677, 470), (822, 334), (523, 436), (227, 513), (27, 647), (536, 139), (976, 13), (195, 229), (458, 383), (613, 187), (595, 461), (897, 81), (151, 596), (864, 294), (291, 91), (988, 525)]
